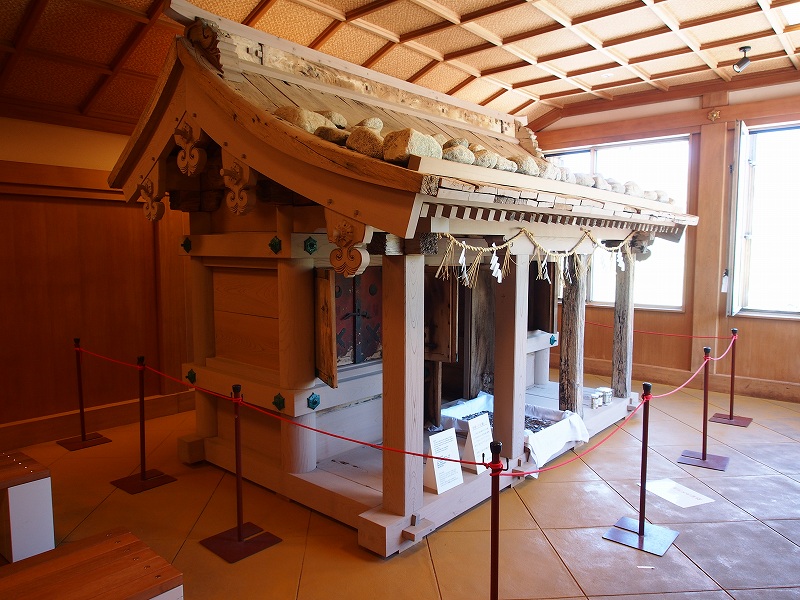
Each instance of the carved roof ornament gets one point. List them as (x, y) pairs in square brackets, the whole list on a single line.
[(349, 258), (204, 37), (192, 156), (240, 180), (153, 207)]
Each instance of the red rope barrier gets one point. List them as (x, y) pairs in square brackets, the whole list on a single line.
[(685, 335), (733, 339), (488, 465), (106, 358)]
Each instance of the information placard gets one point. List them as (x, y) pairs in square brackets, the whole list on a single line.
[(479, 438), (442, 475)]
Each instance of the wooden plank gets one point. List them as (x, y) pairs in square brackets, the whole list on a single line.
[(246, 291), (296, 322), (433, 166), (325, 330), (116, 565), (479, 334), (441, 317), (403, 393), (249, 339)]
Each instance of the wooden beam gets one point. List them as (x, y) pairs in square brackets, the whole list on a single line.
[(128, 48), (29, 21), (326, 34), (403, 381), (423, 71), (383, 51), (493, 97), (259, 10)]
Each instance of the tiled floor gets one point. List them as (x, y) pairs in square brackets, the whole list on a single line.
[(744, 545)]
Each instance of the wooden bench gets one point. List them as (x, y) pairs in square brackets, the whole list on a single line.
[(26, 507), (114, 565)]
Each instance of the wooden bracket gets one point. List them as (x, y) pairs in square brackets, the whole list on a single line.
[(241, 181), (192, 157), (349, 257), (151, 191)]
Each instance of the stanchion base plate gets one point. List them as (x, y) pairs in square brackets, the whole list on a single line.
[(78, 443), (656, 540), (712, 461), (725, 419), (227, 546), (135, 484)]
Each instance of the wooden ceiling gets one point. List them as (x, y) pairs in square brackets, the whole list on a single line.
[(94, 63)]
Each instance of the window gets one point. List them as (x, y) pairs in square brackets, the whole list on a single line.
[(765, 216), (654, 165)]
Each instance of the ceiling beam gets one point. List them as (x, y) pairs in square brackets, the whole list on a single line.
[(259, 10), (22, 36)]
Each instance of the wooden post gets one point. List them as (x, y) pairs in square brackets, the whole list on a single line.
[(511, 335), (479, 335), (299, 445), (403, 381), (622, 352), (573, 322)]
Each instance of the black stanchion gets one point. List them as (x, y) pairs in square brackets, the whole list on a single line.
[(84, 440), (245, 539), (642, 535), (145, 480), (730, 419), (497, 467), (704, 459)]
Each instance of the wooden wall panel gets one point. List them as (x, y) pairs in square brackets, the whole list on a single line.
[(249, 339), (246, 291), (73, 268)]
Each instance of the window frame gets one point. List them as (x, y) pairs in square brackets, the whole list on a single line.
[(593, 149)]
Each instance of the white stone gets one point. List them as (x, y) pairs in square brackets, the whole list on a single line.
[(458, 153), (485, 158), (332, 134), (373, 123), (334, 117), (302, 118), (632, 189), (365, 140), (398, 146), (525, 164), (503, 164)]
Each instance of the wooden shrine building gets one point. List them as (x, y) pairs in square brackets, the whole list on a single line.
[(314, 272)]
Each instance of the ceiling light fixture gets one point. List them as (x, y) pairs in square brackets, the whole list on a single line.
[(741, 65)]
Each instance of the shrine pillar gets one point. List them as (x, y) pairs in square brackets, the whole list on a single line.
[(573, 323), (403, 381), (511, 335)]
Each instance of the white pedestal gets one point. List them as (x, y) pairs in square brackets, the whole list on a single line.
[(28, 519)]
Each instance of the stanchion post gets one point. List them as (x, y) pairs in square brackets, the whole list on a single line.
[(704, 459), (497, 467), (81, 409), (735, 333), (642, 535), (730, 418), (142, 443), (232, 545), (84, 440), (646, 388), (146, 480), (237, 440)]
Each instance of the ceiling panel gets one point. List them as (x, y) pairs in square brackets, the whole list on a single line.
[(515, 21), (477, 91), (99, 43), (487, 59), (40, 80), (551, 43), (352, 44), (11, 14), (402, 17), (690, 10), (293, 22), (452, 39), (583, 8), (148, 57), (124, 96), (628, 23), (401, 62), (236, 10), (442, 78)]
